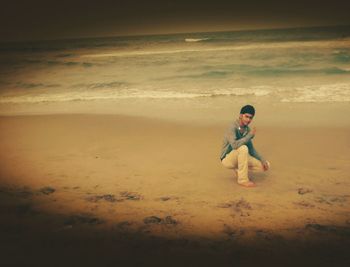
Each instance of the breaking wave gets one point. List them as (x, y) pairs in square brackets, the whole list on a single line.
[(339, 92), (193, 40), (90, 95)]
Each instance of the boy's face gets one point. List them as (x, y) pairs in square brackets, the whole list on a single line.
[(245, 119)]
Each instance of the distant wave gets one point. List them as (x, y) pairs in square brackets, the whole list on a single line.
[(273, 45), (316, 93), (129, 94), (320, 93), (36, 85), (191, 40), (226, 71)]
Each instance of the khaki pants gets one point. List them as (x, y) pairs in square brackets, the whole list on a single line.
[(241, 161)]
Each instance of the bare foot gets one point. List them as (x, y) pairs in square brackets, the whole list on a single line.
[(248, 184)]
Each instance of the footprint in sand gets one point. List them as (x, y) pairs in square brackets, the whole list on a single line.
[(240, 207), (131, 195), (152, 220), (303, 191), (107, 197), (167, 198), (304, 204), (225, 205), (112, 198), (83, 219), (47, 190), (168, 220), (330, 200)]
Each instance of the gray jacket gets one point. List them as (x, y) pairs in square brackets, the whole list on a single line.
[(234, 139)]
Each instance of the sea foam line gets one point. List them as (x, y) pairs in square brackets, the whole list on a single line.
[(313, 44), (128, 94)]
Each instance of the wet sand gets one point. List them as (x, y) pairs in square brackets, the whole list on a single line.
[(110, 189)]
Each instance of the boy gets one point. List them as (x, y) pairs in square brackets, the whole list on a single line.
[(238, 151)]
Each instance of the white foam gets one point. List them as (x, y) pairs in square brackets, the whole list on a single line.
[(191, 40), (127, 93), (339, 92), (274, 45)]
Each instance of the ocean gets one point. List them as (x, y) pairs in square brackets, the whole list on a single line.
[(299, 65)]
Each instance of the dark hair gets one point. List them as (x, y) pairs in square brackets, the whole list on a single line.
[(248, 109)]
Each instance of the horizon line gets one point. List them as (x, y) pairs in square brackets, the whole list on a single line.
[(172, 33)]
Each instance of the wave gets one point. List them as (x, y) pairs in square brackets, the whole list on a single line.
[(247, 36), (341, 56), (274, 45), (226, 71), (47, 62), (192, 40), (321, 93), (129, 94), (98, 85), (339, 92), (36, 85)]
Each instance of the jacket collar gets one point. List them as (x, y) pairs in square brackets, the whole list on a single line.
[(246, 128)]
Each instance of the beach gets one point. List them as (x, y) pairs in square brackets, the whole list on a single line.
[(110, 189), (110, 149)]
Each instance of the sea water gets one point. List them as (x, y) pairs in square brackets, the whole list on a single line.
[(303, 65)]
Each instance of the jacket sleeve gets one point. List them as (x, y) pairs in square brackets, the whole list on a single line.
[(236, 143), (254, 153)]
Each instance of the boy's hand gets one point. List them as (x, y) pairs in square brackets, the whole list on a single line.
[(266, 165), (253, 131)]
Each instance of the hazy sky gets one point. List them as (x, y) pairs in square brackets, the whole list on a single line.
[(39, 19)]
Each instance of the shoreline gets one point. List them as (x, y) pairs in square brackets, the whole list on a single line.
[(211, 111)]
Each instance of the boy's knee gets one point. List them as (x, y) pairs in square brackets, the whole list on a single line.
[(227, 164), (243, 149)]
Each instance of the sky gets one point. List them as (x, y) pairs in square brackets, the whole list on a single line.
[(24, 20)]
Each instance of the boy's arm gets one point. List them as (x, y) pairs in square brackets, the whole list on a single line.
[(255, 153), (236, 143)]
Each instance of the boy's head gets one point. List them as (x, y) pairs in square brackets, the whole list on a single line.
[(246, 115), (248, 109)]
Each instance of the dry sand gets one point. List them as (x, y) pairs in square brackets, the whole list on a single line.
[(108, 190)]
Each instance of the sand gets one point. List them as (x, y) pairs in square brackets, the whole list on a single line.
[(111, 189)]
